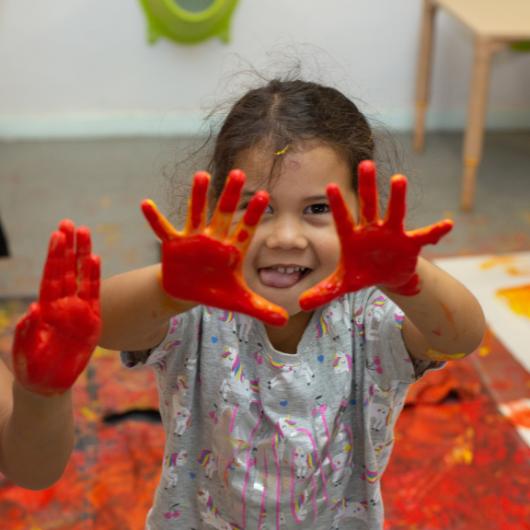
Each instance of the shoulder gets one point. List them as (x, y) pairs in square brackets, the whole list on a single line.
[(193, 331)]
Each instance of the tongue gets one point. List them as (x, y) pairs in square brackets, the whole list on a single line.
[(275, 278)]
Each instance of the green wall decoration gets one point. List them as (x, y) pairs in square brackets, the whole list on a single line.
[(521, 46), (188, 21)]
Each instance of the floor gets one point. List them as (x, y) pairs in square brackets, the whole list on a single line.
[(461, 461)]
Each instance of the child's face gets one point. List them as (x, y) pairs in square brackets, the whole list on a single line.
[(297, 229)]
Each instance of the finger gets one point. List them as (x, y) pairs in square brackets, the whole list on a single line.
[(83, 243), (344, 221), (242, 235), (27, 324), (368, 197), (83, 247), (395, 214), (430, 235), (25, 337), (159, 224), (197, 204), (51, 283), (256, 306), (90, 278), (69, 277), (323, 292), (222, 217)]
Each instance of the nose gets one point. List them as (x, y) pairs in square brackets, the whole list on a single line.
[(286, 233)]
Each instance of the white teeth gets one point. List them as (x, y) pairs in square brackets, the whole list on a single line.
[(288, 270)]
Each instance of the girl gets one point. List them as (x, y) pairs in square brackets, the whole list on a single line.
[(52, 345), (284, 346)]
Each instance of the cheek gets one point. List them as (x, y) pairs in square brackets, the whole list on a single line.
[(329, 248), (251, 253)]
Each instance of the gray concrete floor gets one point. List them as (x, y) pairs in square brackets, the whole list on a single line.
[(100, 183)]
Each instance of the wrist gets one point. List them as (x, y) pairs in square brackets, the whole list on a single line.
[(23, 396), (170, 304), (410, 285)]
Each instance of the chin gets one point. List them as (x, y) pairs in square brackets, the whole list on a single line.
[(293, 311), (288, 301), (286, 298)]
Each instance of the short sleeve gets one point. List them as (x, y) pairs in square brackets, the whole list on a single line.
[(182, 333), (387, 358)]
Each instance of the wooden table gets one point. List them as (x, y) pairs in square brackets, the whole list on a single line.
[(495, 24)]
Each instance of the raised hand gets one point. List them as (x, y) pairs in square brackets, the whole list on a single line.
[(54, 340), (375, 251), (203, 263)]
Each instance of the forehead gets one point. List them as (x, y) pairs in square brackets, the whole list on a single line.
[(303, 167)]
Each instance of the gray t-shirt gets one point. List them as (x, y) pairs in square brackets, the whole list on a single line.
[(263, 440)]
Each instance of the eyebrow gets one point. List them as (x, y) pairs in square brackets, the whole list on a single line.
[(316, 198), (245, 194), (249, 193)]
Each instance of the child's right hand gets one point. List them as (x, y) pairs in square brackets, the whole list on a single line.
[(54, 340), (203, 263)]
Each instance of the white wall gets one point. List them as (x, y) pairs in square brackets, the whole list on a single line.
[(83, 67)]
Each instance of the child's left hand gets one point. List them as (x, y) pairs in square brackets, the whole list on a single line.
[(375, 251)]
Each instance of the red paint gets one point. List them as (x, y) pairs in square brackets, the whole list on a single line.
[(457, 464), (520, 416), (448, 314), (368, 189), (206, 266), (198, 198), (54, 340), (242, 236), (376, 251), (232, 190), (253, 214)]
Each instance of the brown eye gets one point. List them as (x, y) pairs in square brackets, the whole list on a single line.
[(317, 209)]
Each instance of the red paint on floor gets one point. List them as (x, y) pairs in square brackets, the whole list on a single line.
[(458, 463)]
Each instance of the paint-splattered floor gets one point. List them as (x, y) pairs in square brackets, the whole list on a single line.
[(461, 461)]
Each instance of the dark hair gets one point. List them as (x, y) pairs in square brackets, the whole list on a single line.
[(283, 113)]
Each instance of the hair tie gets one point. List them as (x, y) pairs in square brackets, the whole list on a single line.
[(282, 151)]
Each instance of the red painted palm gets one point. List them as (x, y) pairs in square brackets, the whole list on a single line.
[(54, 340), (374, 251), (203, 263)]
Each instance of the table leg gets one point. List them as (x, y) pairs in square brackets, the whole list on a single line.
[(423, 79), (476, 115)]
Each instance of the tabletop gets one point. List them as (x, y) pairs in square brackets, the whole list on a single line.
[(506, 19)]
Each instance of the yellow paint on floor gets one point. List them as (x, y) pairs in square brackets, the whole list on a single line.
[(510, 265), (518, 298)]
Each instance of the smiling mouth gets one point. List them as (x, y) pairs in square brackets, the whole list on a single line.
[(282, 277)]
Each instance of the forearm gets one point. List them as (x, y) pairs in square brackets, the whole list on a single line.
[(37, 438), (444, 317), (135, 310)]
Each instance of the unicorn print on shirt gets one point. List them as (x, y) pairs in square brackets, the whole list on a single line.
[(207, 461), (235, 388), (210, 514), (287, 373), (342, 362), (172, 462), (181, 413), (348, 509)]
